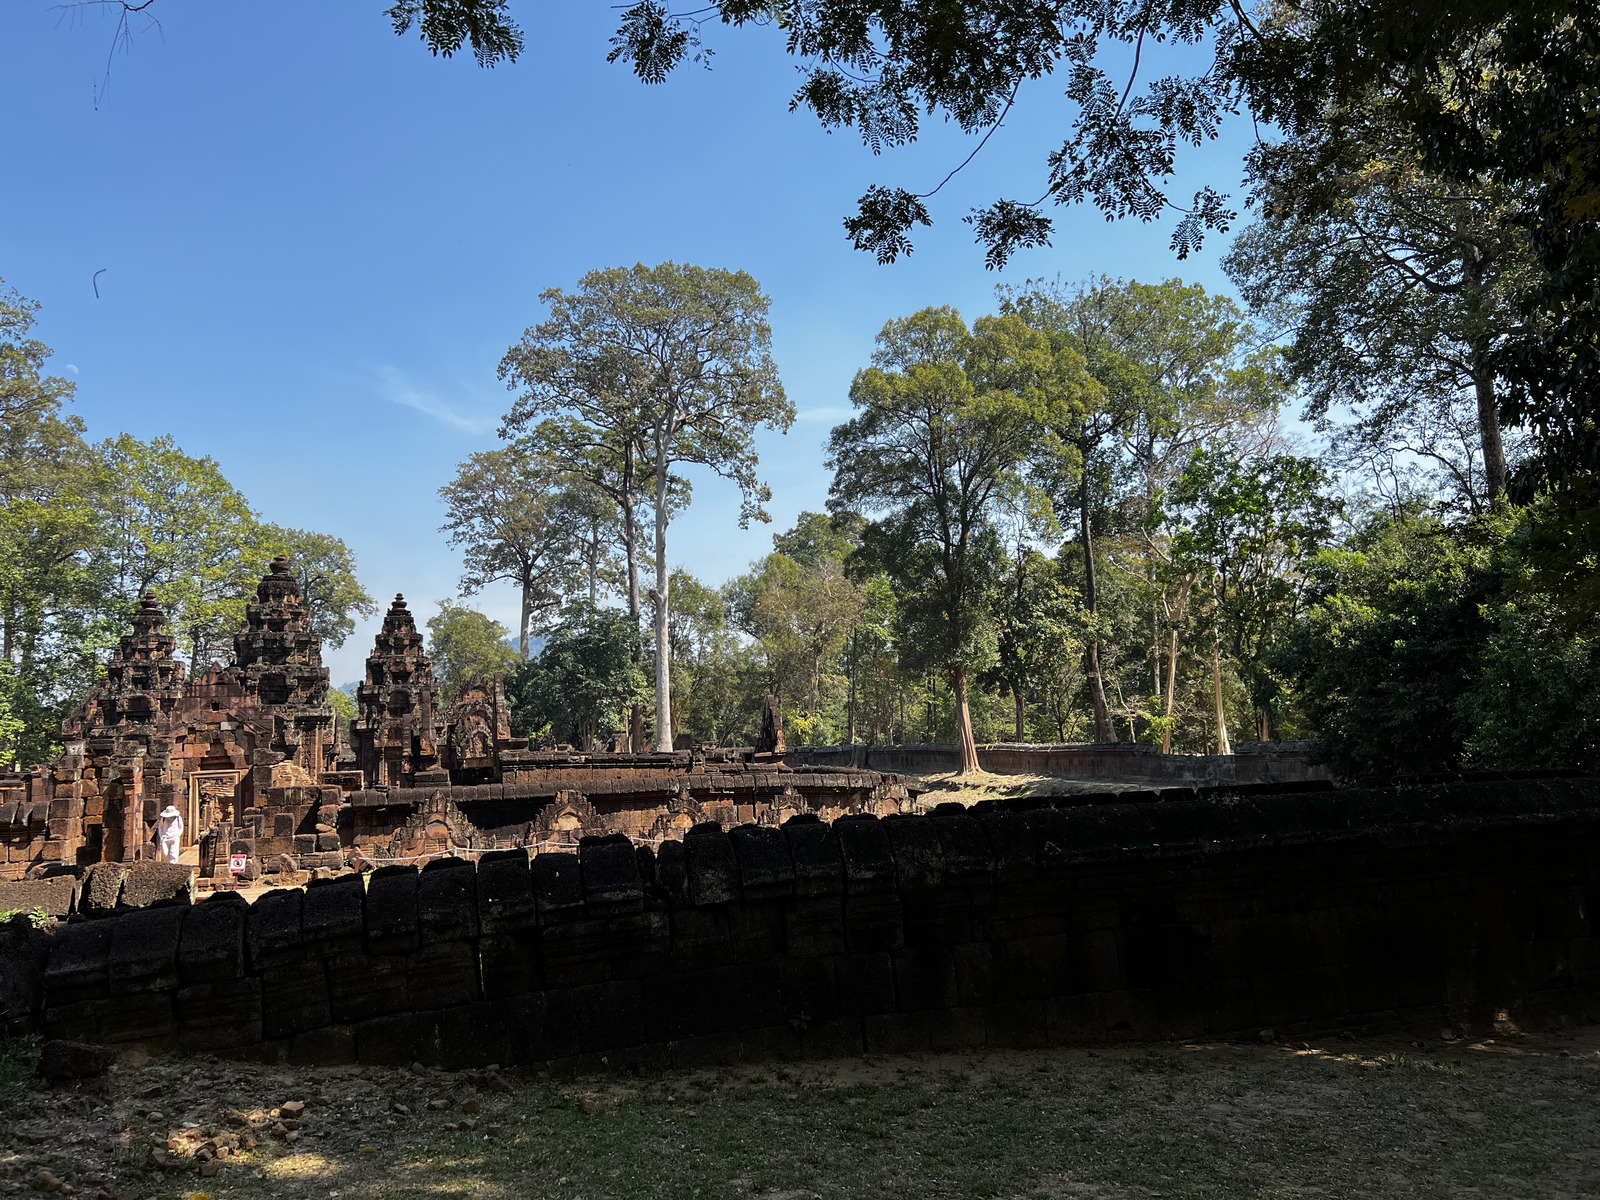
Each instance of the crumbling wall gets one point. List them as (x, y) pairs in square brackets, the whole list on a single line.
[(991, 927)]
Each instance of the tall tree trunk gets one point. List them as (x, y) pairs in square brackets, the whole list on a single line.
[(1494, 451), (630, 538), (663, 600), (969, 747), (527, 616), (1224, 746), (1022, 714), (1172, 665), (850, 720), (1172, 690), (1097, 690)]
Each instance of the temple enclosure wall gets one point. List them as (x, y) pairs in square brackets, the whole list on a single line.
[(1250, 762), (1469, 903)]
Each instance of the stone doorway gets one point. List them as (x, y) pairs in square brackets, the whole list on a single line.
[(212, 799)]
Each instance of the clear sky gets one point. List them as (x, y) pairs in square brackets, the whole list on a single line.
[(318, 241)]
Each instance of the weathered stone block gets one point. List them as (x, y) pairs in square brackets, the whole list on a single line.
[(219, 1014), (609, 1015), (294, 997), (868, 859), (918, 856), (330, 1046), (766, 872), (610, 872), (364, 985), (102, 886), (447, 901), (272, 931), (76, 968), (151, 883), (441, 975), (213, 941), (505, 892), (398, 1040), (557, 883), (713, 871), (392, 910), (144, 950), (333, 917), (938, 1031)]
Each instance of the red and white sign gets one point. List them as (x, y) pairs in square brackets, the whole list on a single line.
[(236, 863)]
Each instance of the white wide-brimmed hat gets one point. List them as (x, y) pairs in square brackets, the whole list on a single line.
[(170, 811)]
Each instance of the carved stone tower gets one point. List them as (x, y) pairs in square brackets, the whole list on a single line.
[(279, 664), (398, 728), (142, 681)]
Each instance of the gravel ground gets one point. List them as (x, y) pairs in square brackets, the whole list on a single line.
[(1514, 1117)]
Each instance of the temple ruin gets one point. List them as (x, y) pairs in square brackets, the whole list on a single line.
[(269, 781)]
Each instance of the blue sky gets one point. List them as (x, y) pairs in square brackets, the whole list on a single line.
[(317, 242)]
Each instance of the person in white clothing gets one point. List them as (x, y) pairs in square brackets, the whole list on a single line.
[(169, 834)]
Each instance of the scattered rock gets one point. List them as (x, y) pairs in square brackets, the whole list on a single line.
[(369, 1149), (292, 1136), (1267, 1035), (438, 1105), (236, 1118), (280, 1130), (589, 1105), (396, 1106), (45, 1181), (149, 1092), (469, 1106), (493, 1131), (72, 1060), (209, 1170), (292, 1109)]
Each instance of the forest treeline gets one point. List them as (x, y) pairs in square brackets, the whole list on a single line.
[(1080, 518)]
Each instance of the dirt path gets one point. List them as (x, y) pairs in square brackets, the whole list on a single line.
[(1390, 1118)]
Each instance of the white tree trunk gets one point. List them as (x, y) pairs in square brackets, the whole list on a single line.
[(663, 611)]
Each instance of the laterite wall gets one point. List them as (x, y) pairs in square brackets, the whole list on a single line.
[(965, 928)]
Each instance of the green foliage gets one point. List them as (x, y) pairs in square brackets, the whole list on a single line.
[(519, 520), (37, 917), (465, 643), (583, 682), (654, 368), (343, 705), (1431, 647)]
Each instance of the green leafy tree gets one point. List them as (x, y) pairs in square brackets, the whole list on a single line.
[(343, 705), (54, 611), (1400, 288), (465, 643), (178, 528), (325, 569), (1039, 620), (513, 516), (717, 677), (672, 362), (801, 615), (1249, 527), (949, 422), (585, 679)]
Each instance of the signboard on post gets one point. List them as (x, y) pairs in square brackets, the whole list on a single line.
[(236, 863)]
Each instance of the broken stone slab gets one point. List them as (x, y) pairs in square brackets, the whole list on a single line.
[(61, 1059)]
